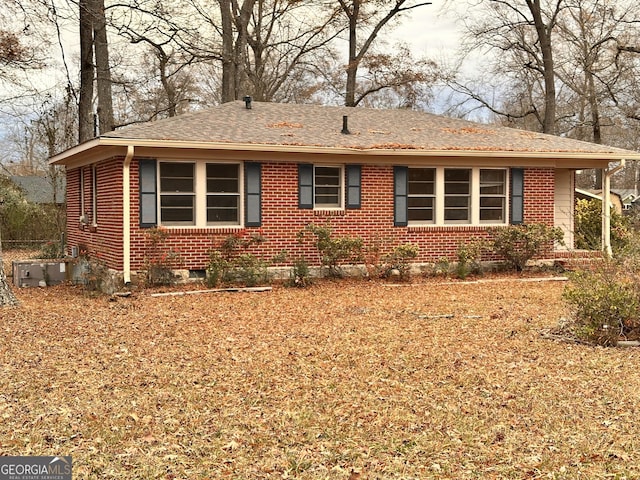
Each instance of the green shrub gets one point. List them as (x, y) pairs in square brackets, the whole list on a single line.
[(300, 274), (249, 270), (517, 244), (441, 267), (25, 221), (232, 263), (588, 227), (469, 257), (334, 251), (605, 303), (400, 260), (216, 269), (160, 260)]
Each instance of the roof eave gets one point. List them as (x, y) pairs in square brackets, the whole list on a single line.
[(99, 144)]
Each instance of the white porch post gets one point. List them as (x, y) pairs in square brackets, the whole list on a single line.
[(607, 173), (606, 212)]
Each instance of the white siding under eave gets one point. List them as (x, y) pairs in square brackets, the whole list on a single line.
[(563, 200)]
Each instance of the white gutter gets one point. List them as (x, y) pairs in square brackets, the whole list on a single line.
[(607, 173), (338, 150), (126, 215)]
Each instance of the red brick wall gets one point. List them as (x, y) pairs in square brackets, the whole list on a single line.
[(282, 220), (105, 239), (539, 192)]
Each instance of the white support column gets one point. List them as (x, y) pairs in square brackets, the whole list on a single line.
[(606, 212), (607, 173)]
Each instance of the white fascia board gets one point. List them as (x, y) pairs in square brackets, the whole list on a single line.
[(559, 159)]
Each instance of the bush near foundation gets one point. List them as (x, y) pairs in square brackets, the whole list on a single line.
[(334, 251), (232, 263), (517, 244)]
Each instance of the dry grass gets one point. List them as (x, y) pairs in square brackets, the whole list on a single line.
[(339, 381)]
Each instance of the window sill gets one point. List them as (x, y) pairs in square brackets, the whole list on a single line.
[(329, 212), (193, 229), (461, 227)]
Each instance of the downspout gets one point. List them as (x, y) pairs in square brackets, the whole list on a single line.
[(607, 173), (126, 215)]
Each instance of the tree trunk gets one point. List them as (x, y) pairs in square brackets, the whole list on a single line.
[(228, 64), (544, 36), (242, 24), (352, 66), (85, 102), (234, 52), (103, 71)]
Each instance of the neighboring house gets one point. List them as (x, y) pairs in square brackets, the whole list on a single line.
[(614, 198), (388, 176), (628, 197), (40, 189)]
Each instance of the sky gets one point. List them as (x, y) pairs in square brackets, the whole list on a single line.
[(430, 31)]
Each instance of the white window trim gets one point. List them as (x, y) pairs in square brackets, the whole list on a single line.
[(341, 193), (200, 194), (475, 200)]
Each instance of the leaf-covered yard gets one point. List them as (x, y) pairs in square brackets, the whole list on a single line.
[(339, 381)]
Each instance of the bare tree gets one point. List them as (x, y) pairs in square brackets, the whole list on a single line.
[(284, 45), (520, 34), (367, 16), (20, 51)]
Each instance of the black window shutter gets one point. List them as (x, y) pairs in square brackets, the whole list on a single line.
[(305, 185), (148, 193), (253, 194), (354, 190), (400, 213), (517, 196)]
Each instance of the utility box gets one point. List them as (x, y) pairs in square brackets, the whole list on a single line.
[(39, 273)]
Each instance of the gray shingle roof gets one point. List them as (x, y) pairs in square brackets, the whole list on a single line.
[(320, 126), (39, 189)]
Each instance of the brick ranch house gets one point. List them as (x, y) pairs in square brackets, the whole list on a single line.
[(387, 176)]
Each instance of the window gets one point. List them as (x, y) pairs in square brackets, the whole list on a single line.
[(492, 196), (327, 192), (223, 194), (199, 193), (421, 195), (329, 187), (177, 194), (442, 195), (457, 195), (89, 195)]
